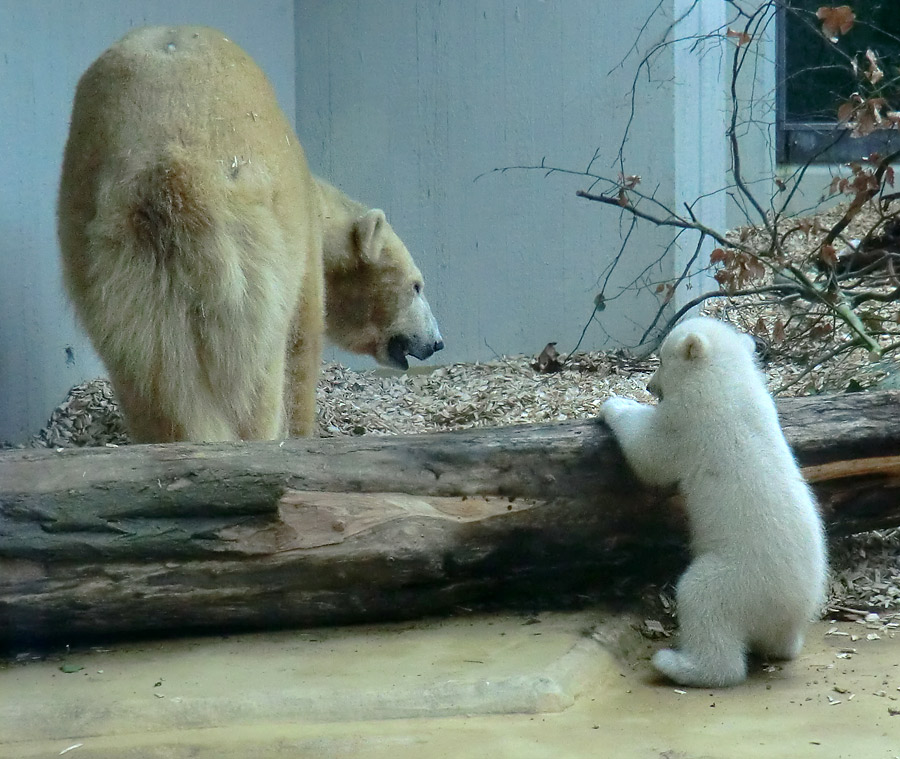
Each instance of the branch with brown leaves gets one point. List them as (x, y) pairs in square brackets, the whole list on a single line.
[(830, 281)]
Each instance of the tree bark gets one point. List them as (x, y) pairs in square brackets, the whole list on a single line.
[(165, 538)]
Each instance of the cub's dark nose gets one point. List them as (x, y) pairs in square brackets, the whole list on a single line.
[(438, 346)]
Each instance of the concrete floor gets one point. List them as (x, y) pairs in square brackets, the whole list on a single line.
[(492, 686)]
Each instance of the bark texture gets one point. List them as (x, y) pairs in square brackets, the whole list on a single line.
[(169, 538)]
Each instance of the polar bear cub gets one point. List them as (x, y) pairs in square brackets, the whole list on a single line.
[(759, 566)]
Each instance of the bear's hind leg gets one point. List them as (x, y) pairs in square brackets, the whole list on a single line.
[(784, 646), (304, 356), (712, 651), (267, 420), (702, 669), (151, 417)]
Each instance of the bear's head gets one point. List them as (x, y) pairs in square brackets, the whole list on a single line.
[(374, 293), (703, 345)]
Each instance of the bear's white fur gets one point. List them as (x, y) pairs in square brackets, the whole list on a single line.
[(759, 565), (199, 250)]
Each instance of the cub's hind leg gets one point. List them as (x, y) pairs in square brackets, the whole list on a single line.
[(712, 649), (784, 645)]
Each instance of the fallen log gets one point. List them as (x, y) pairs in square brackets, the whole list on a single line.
[(165, 538)]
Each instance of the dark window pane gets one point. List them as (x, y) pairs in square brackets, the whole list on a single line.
[(817, 78)]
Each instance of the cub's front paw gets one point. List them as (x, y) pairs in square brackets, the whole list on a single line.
[(615, 407)]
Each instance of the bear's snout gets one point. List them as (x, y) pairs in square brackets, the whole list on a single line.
[(401, 346), (423, 349)]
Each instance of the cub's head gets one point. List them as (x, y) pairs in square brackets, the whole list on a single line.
[(703, 345), (374, 293)]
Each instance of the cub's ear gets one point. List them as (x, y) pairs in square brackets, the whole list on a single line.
[(749, 343), (368, 230), (693, 347)]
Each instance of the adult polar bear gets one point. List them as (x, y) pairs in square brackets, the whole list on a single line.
[(196, 246), (759, 568)]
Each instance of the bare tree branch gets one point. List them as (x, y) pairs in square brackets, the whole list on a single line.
[(835, 298)]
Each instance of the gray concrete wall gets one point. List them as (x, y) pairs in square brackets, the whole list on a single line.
[(757, 96), (45, 45), (405, 104), (701, 153)]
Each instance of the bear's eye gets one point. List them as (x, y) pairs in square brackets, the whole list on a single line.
[(417, 287)]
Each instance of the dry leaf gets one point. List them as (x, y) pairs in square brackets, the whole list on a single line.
[(778, 333), (836, 20), (820, 330), (828, 255), (752, 266), (846, 111), (548, 361), (868, 117), (742, 38), (723, 278), (874, 74), (653, 629)]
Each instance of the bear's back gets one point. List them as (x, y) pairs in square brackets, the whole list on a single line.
[(185, 85)]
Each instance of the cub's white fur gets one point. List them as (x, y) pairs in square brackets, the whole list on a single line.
[(759, 567)]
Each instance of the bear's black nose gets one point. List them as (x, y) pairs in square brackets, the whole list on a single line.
[(438, 346)]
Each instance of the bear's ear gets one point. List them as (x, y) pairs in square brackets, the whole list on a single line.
[(693, 346), (749, 343), (368, 230)]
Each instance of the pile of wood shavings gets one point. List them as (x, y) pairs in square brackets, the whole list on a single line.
[(461, 396), (458, 396), (795, 368), (89, 416), (866, 568), (866, 576)]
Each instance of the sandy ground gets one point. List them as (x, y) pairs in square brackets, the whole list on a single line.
[(557, 685)]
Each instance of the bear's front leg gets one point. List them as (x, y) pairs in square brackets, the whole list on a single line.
[(636, 428), (615, 408)]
